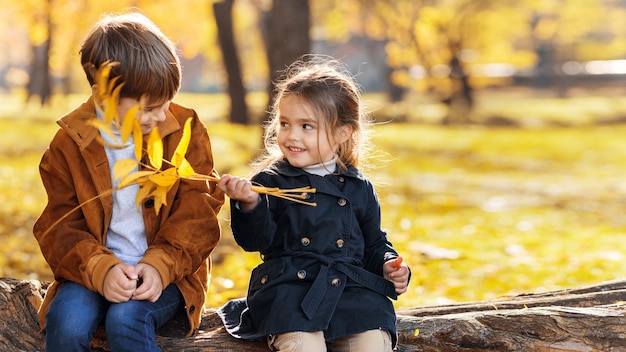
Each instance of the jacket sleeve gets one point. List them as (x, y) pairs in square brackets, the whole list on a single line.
[(73, 250), (188, 226)]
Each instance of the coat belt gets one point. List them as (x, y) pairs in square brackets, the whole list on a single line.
[(317, 291)]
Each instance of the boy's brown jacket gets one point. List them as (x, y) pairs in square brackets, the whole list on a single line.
[(74, 169)]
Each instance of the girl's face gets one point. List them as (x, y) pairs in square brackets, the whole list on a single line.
[(302, 135), (148, 117)]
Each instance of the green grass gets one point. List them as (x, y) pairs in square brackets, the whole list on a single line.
[(477, 212)]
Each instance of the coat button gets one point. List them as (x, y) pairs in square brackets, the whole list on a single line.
[(341, 179), (342, 202), (149, 203), (192, 309), (301, 274), (264, 280), (335, 282), (340, 243), (305, 241)]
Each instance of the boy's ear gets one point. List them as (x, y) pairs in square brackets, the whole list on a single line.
[(94, 90)]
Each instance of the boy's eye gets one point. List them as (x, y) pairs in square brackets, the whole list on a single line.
[(283, 124)]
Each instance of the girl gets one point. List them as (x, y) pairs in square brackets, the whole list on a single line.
[(327, 270)]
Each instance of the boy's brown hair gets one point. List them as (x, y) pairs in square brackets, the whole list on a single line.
[(148, 63)]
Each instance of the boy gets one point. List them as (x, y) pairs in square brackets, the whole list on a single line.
[(126, 267)]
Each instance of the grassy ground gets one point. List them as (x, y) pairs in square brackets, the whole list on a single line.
[(477, 212)]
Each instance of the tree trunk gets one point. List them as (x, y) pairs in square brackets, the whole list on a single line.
[(224, 20), (286, 36), (586, 319), (39, 83)]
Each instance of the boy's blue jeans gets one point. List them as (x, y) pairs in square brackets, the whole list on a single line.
[(76, 312)]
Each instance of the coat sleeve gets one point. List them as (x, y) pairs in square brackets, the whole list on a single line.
[(71, 246), (377, 247), (255, 230), (188, 228)]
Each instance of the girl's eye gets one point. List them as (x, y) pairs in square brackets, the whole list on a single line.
[(306, 126), (283, 124)]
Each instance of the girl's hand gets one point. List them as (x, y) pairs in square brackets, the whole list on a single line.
[(396, 271), (239, 189)]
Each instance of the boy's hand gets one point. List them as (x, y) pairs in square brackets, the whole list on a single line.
[(151, 285), (396, 271), (239, 189), (120, 282)]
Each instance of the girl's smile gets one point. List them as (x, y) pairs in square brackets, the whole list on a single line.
[(301, 137)]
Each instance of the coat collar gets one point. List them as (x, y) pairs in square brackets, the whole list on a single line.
[(284, 168), (77, 127)]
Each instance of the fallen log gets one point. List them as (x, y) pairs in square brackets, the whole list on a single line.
[(590, 319)]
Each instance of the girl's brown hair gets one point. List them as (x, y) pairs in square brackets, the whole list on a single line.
[(148, 62), (330, 90)]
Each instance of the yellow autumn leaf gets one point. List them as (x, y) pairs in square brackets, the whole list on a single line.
[(185, 169), (128, 125), (124, 167), (160, 197), (102, 79), (110, 108), (183, 144), (138, 177), (107, 144), (102, 126), (165, 178), (155, 149), (144, 191), (138, 140)]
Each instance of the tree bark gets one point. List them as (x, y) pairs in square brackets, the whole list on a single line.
[(590, 319), (286, 33), (224, 20)]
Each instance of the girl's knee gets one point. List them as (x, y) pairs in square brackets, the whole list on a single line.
[(377, 340), (297, 341)]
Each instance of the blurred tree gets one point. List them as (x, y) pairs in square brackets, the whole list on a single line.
[(435, 47), (438, 36), (562, 31), (443, 47), (39, 72), (224, 19), (286, 27)]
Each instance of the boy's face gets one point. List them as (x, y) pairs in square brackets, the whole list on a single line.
[(148, 117)]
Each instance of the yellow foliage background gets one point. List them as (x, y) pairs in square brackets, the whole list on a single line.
[(478, 212)]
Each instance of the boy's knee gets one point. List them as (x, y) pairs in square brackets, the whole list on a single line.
[(123, 315)]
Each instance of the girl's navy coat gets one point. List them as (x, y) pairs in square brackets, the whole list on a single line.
[(322, 265)]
